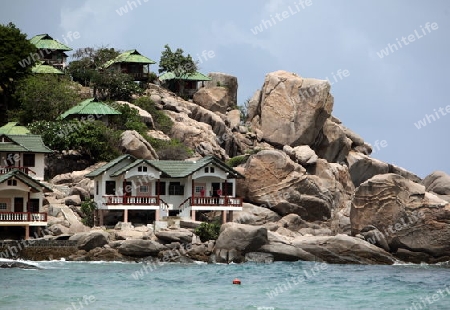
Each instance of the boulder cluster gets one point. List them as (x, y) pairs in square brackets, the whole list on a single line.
[(313, 191)]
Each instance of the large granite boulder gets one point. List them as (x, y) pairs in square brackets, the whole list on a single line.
[(140, 248), (229, 82), (235, 240), (277, 182), (333, 143), (92, 240), (408, 217), (181, 235), (214, 99), (131, 142), (439, 183), (291, 110), (254, 215)]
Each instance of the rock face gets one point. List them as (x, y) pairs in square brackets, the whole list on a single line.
[(229, 82), (133, 143), (408, 217), (274, 180), (291, 110), (254, 215), (214, 99)]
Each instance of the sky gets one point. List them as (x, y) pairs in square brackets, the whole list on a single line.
[(395, 53)]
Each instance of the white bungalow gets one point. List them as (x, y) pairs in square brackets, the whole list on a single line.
[(168, 187), (21, 192)]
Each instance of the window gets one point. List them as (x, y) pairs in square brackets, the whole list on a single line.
[(28, 160), (206, 169), (175, 188), (96, 187), (110, 187), (12, 182), (3, 205), (143, 189), (227, 189), (142, 169), (199, 189), (162, 188), (211, 169)]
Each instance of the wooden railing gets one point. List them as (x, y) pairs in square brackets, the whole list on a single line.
[(216, 201), (23, 217), (131, 200), (26, 170)]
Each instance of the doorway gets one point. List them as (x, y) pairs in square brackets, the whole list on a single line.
[(18, 204)]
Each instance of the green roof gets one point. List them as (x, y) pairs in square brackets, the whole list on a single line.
[(132, 165), (44, 41), (25, 178), (12, 128), (42, 68), (22, 143), (197, 76), (131, 56), (90, 107), (109, 165), (181, 169), (169, 168)]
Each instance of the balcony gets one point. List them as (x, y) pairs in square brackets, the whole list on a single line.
[(22, 217), (140, 76), (132, 200), (216, 201), (26, 170)]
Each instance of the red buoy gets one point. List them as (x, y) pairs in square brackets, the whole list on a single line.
[(237, 281)]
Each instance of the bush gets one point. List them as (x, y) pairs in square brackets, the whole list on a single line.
[(128, 120), (88, 208), (170, 150), (208, 231), (161, 120), (237, 160)]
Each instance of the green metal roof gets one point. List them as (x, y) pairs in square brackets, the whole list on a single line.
[(12, 128), (131, 56), (132, 165), (169, 168), (42, 68), (90, 107), (22, 143), (197, 76), (44, 41), (181, 169), (109, 165), (25, 178)]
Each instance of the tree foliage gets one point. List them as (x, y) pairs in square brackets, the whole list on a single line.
[(45, 97), (208, 231), (176, 62), (88, 70), (160, 119), (14, 49), (92, 138)]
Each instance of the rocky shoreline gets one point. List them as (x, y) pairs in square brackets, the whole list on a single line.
[(313, 191)]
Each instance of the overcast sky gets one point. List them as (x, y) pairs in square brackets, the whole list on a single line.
[(383, 98)]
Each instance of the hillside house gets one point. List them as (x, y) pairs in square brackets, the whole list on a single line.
[(132, 63), (51, 51), (166, 187), (90, 110), (186, 85), (21, 191)]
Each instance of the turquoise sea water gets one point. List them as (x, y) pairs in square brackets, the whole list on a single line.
[(298, 285)]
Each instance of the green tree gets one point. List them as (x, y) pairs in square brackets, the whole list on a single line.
[(178, 64), (45, 97), (88, 70), (17, 56)]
